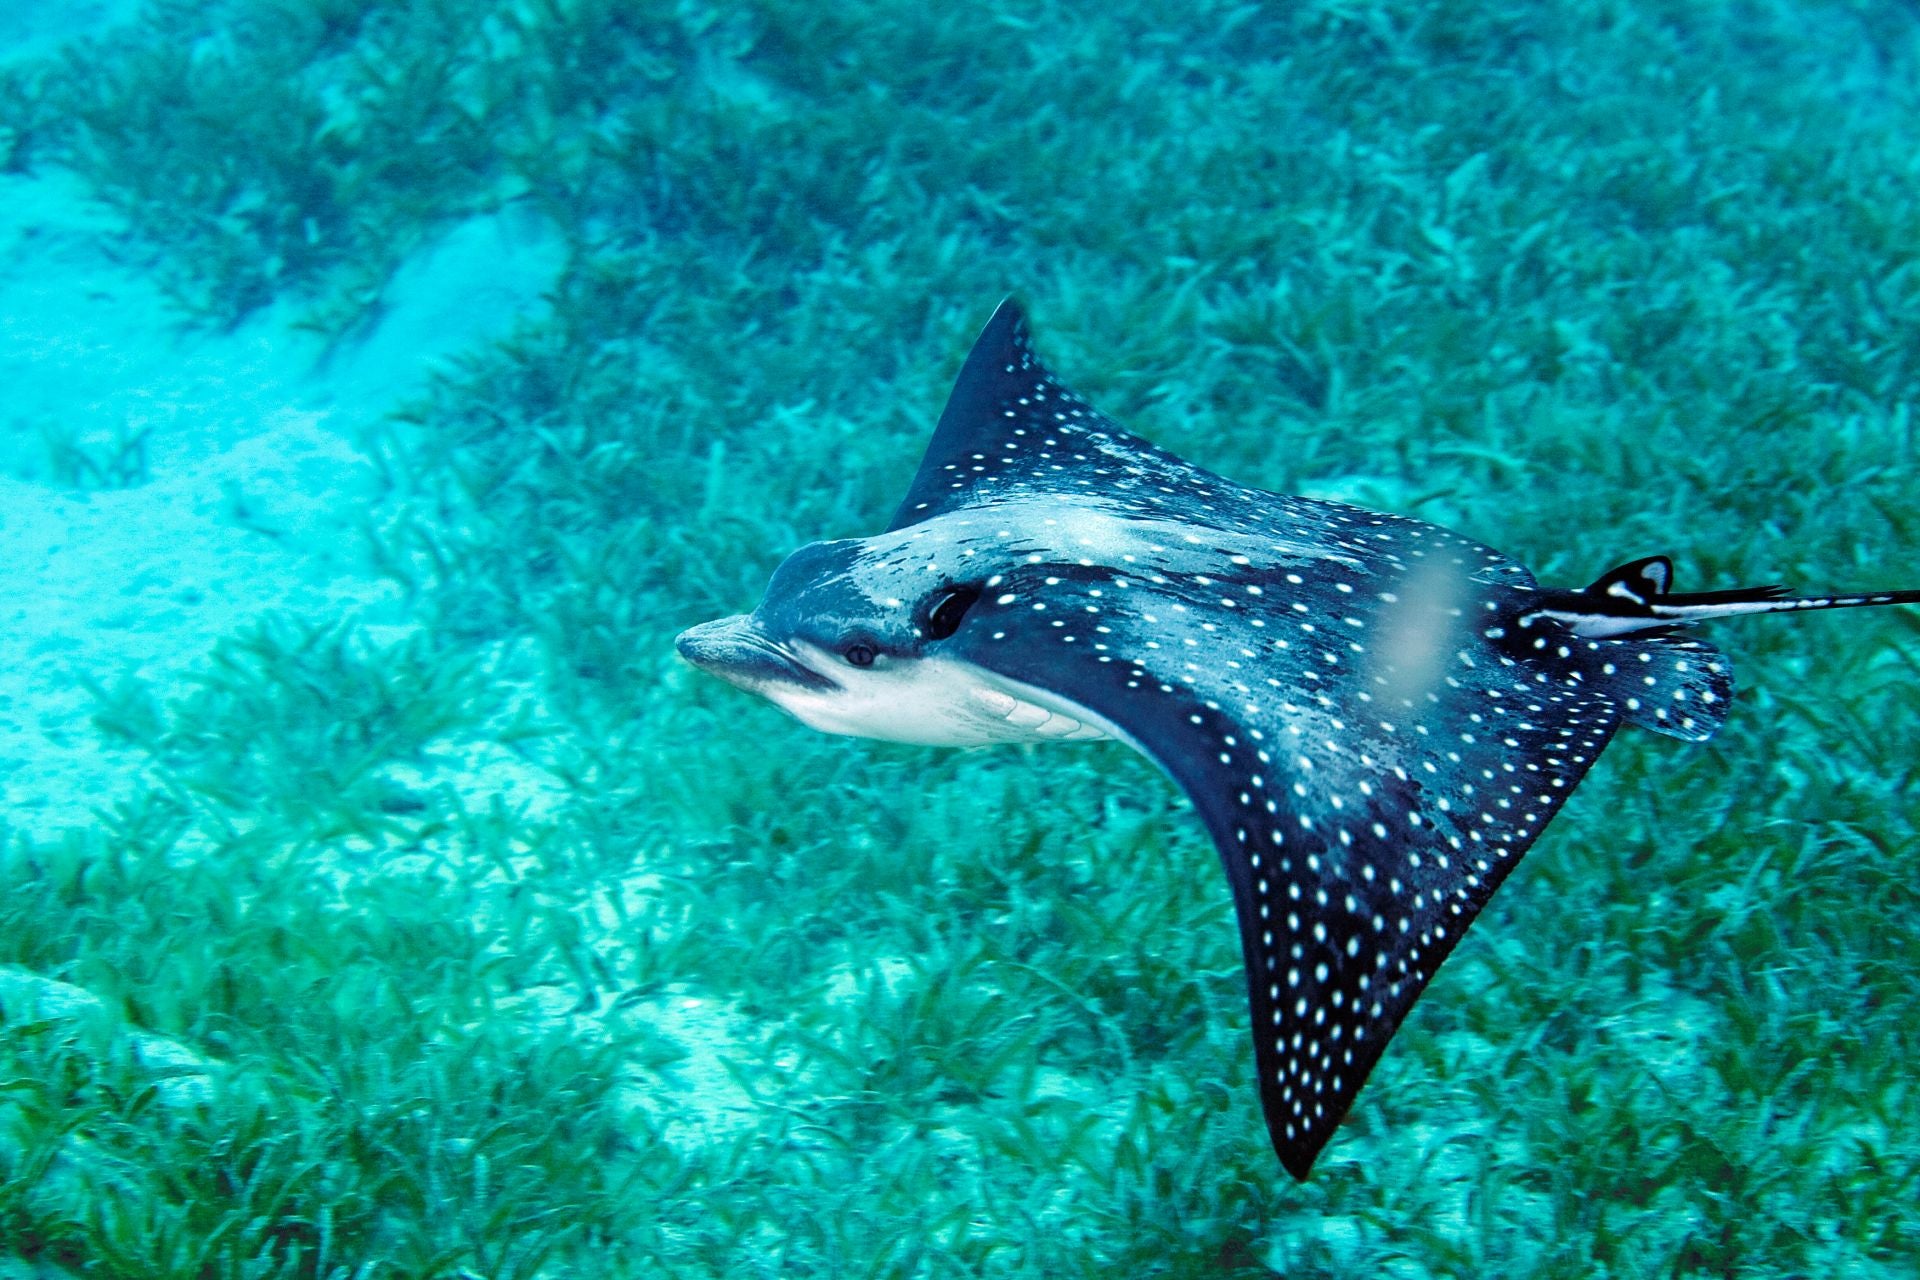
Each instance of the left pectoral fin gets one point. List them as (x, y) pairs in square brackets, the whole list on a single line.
[(1360, 838)]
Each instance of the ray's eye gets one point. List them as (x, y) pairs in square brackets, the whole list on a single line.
[(946, 609), (860, 655)]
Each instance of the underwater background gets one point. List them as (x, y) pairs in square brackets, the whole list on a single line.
[(383, 384)]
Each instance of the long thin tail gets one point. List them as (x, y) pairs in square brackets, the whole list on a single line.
[(1634, 598), (1700, 606)]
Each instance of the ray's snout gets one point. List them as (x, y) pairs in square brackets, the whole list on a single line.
[(739, 652), (710, 643)]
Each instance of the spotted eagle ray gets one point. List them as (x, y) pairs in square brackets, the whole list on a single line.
[(1374, 716)]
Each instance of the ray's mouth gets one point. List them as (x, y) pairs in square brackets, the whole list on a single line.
[(739, 652)]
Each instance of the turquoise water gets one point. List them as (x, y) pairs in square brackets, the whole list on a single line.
[(387, 385)]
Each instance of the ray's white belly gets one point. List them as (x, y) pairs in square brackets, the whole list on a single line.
[(938, 703)]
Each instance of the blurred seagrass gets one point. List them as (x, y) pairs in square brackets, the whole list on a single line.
[(86, 462)]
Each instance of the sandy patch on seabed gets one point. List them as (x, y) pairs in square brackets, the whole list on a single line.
[(254, 485)]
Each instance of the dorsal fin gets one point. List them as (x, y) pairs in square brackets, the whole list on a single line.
[(1638, 582)]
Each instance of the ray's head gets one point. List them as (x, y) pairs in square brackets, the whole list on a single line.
[(849, 639)]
